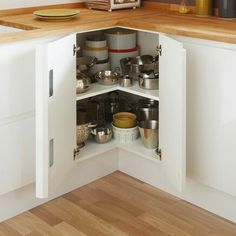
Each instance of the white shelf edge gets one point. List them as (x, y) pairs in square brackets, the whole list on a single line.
[(98, 89), (86, 153), (141, 151)]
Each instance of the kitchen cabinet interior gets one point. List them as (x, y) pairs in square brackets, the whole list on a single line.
[(172, 131)]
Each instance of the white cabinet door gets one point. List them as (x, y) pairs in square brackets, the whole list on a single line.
[(211, 116), (172, 105), (55, 113)]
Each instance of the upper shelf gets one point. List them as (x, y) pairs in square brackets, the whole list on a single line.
[(98, 89)]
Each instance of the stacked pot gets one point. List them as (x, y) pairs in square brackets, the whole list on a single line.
[(96, 46), (147, 114), (122, 43)]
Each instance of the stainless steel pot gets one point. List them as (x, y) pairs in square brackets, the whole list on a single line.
[(148, 80), (126, 81), (147, 109), (149, 133), (102, 134), (107, 77), (133, 66), (85, 63), (147, 113), (83, 83)]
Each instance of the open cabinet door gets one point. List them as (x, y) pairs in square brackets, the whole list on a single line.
[(55, 113), (172, 105)]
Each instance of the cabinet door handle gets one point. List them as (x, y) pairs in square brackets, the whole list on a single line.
[(50, 83)]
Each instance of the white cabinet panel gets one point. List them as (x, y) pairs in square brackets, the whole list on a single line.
[(172, 110), (211, 117), (17, 66), (17, 154), (55, 113)]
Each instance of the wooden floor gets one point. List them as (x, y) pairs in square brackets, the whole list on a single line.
[(117, 205)]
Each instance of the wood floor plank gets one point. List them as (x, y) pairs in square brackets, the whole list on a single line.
[(34, 233), (7, 230), (137, 198), (45, 215), (82, 219), (120, 219), (117, 205), (164, 226), (27, 222), (85, 192), (68, 230)]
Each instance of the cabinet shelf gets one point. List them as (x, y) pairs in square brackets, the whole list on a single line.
[(92, 149), (98, 89)]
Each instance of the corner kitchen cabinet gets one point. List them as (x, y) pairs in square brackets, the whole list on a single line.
[(56, 112)]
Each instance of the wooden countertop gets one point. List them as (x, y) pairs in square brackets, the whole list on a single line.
[(153, 20)]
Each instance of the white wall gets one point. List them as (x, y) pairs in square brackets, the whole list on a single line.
[(8, 4)]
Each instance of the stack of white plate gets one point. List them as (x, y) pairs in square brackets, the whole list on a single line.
[(96, 46), (122, 43)]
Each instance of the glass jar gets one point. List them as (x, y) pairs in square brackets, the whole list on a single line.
[(203, 7)]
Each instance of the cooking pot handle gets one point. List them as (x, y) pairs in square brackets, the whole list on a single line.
[(92, 125), (94, 61)]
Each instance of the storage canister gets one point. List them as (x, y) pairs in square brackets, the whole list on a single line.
[(203, 7), (227, 8)]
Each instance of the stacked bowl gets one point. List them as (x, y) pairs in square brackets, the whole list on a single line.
[(96, 46), (122, 43), (125, 129)]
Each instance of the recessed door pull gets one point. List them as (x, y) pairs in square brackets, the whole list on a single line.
[(50, 83)]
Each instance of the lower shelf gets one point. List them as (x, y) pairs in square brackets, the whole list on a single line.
[(92, 149)]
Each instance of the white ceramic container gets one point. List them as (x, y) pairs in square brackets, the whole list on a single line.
[(125, 135), (96, 41), (100, 53), (116, 56), (121, 39)]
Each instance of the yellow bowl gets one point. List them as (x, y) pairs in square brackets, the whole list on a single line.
[(124, 120)]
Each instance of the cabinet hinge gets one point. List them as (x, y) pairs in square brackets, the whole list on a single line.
[(158, 152), (159, 49), (76, 153), (75, 49)]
